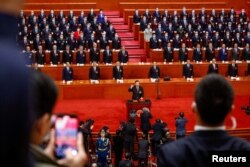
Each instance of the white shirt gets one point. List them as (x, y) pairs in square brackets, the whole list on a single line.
[(206, 128)]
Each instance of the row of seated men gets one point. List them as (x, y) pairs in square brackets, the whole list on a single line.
[(56, 30), (197, 31), (67, 55), (154, 71)]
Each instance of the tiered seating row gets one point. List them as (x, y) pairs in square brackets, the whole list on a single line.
[(139, 71)]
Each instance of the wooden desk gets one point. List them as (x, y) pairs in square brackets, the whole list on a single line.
[(109, 89), (138, 71)]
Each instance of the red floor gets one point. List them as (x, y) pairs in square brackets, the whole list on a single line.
[(111, 112)]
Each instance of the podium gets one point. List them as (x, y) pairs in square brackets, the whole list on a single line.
[(137, 105)]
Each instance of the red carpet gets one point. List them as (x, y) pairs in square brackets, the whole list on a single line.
[(111, 112)]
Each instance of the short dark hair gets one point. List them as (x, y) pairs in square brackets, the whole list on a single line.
[(44, 93), (214, 97), (181, 114)]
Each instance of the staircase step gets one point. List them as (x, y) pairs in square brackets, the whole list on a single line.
[(127, 34), (116, 20), (131, 43), (134, 59), (121, 27), (117, 23), (127, 38), (138, 52), (112, 13), (121, 30)]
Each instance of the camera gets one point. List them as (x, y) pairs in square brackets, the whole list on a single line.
[(246, 109)]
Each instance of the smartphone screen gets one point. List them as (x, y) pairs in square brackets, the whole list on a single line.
[(66, 127)]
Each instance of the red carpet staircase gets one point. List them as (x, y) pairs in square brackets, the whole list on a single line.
[(127, 38)]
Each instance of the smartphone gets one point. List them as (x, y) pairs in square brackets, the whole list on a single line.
[(66, 128)]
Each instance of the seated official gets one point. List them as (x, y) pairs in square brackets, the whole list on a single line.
[(28, 56), (80, 56), (213, 67), (233, 69), (107, 56), (210, 109), (188, 70), (197, 54), (54, 56), (183, 53), (40, 56), (154, 72), (67, 55), (137, 91), (94, 54), (223, 55), (246, 53), (94, 73), (235, 52), (123, 55), (118, 71), (67, 73), (210, 52), (168, 53)]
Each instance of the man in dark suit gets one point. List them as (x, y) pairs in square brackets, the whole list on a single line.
[(107, 56), (213, 67), (67, 73), (123, 55), (127, 162), (197, 55), (211, 108), (233, 69), (54, 56), (130, 133), (80, 56), (40, 56), (118, 71), (180, 124), (67, 55), (246, 53), (154, 71), (143, 147), (137, 91), (210, 52), (235, 52), (223, 55), (183, 53), (94, 72), (145, 121), (94, 54), (168, 53), (118, 147), (116, 42), (153, 42), (188, 70), (136, 17)]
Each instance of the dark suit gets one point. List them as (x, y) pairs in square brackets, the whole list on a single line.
[(80, 57), (94, 74), (183, 54), (107, 57), (210, 54), (180, 124), (126, 163), (116, 43), (153, 43), (67, 74), (158, 129), (213, 68), (118, 148), (188, 71), (223, 56), (137, 93), (94, 55), (235, 54), (193, 151), (233, 71), (168, 54), (129, 136), (123, 57), (154, 72), (197, 55), (246, 54), (118, 74), (145, 122), (143, 151), (67, 56), (40, 57)]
